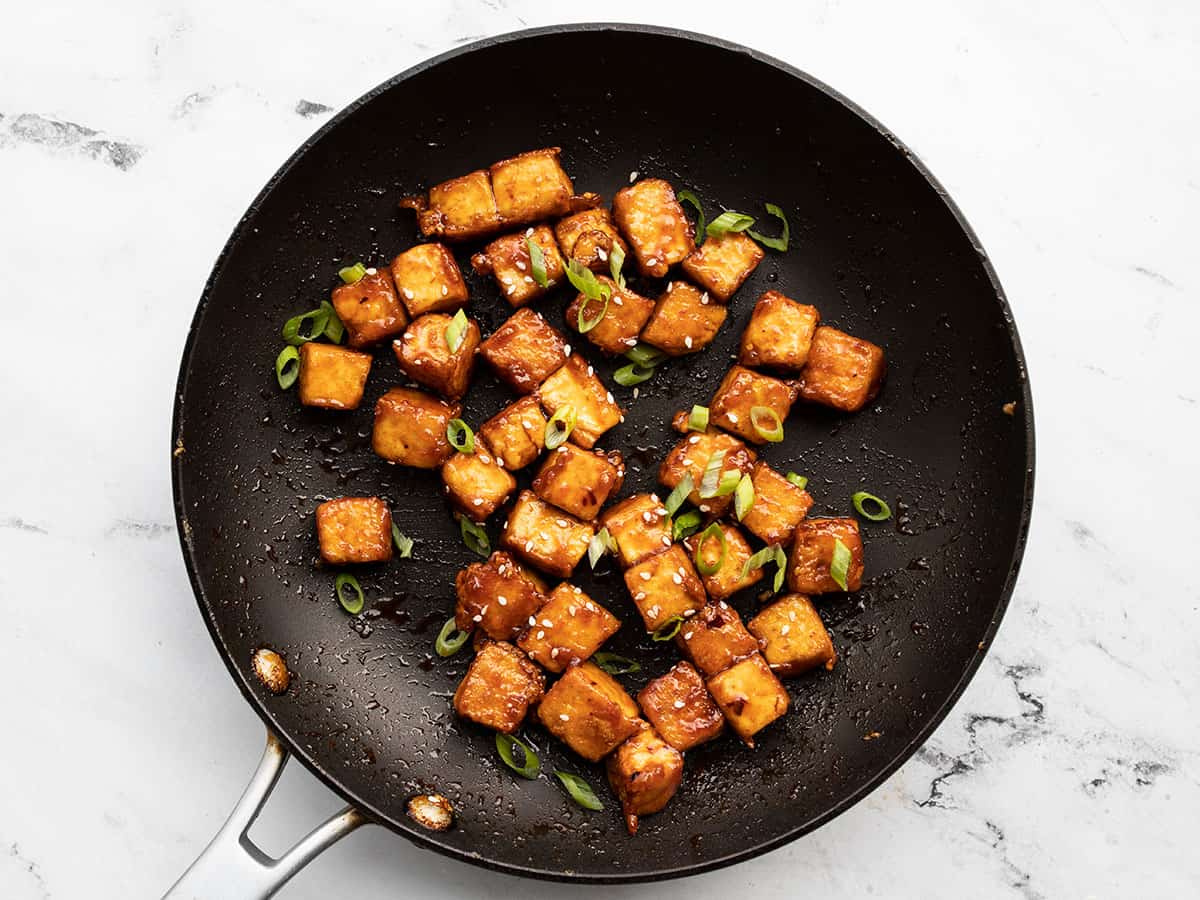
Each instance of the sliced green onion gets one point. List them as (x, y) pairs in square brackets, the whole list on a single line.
[(729, 483), (560, 426), (602, 542), (585, 281), (581, 792), (583, 324), (799, 481), (287, 366), (615, 664), (616, 260), (689, 197), (729, 221), (456, 331), (780, 567), (711, 479), (698, 419), (403, 542), (504, 746), (839, 565), (645, 356), (460, 436), (766, 423), (712, 531), (628, 376), (743, 496), (351, 603), (450, 640), (474, 536), (680, 493), (779, 243), (305, 327), (759, 559), (881, 511), (334, 329), (687, 524), (351, 274), (537, 262), (667, 629)]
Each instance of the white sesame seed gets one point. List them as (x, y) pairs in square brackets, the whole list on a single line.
[(688, 613), (791, 615), (654, 497), (541, 634), (371, 270), (566, 349), (572, 609), (640, 595), (704, 507), (529, 232), (687, 341), (476, 618), (502, 600), (646, 517), (528, 546), (564, 717), (622, 419), (601, 254), (609, 396), (653, 611), (687, 635), (408, 293), (694, 439), (678, 704), (478, 501), (546, 623), (662, 511), (591, 370), (677, 578), (733, 417), (520, 265), (445, 290), (483, 609), (704, 298), (633, 176), (512, 289), (645, 576), (532, 621), (784, 630), (529, 279), (554, 653), (666, 541), (635, 393), (616, 300)]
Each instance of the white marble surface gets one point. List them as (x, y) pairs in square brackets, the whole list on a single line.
[(1067, 132)]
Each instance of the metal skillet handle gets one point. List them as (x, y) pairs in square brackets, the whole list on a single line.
[(232, 865)]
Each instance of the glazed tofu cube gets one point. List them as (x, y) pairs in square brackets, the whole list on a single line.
[(679, 707), (548, 538), (458, 209), (690, 457), (588, 238), (533, 186), (410, 428), (685, 320), (369, 308), (792, 636), (425, 356), (641, 527), (332, 377), (727, 579), (499, 687), (649, 215), (569, 628), (579, 481), (813, 543), (428, 280), (623, 321), (779, 334), (750, 696), (354, 530), (739, 392), (508, 260), (644, 773), (589, 711), (476, 483), (842, 371), (715, 638), (665, 586), (721, 264), (516, 434), (575, 384), (525, 350), (495, 597), (778, 507)]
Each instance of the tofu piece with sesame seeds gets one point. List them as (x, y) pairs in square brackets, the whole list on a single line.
[(679, 706), (508, 261), (476, 483), (727, 579), (626, 315), (588, 237), (652, 219), (665, 586), (641, 527), (793, 638), (750, 695), (495, 597), (715, 638), (722, 264), (685, 320), (525, 350), (332, 377), (779, 506), (644, 773), (579, 481), (370, 309), (424, 354), (545, 537), (779, 334), (410, 428), (589, 711), (842, 371), (576, 385), (459, 209), (690, 456), (354, 530), (533, 185), (428, 280), (516, 434), (500, 686), (740, 391), (568, 629), (813, 543)]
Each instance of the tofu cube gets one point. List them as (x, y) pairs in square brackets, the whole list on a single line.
[(779, 506), (569, 628), (579, 481), (779, 334), (690, 457), (425, 355), (428, 280), (458, 209), (641, 527), (727, 580), (715, 638), (842, 371), (650, 216), (665, 586), (589, 711), (410, 428), (476, 483), (679, 707), (575, 384), (332, 377), (369, 308), (750, 696), (354, 530), (685, 320), (792, 636), (533, 186), (812, 554), (507, 259), (516, 434), (623, 321), (525, 350), (546, 537), (499, 687), (588, 238), (495, 597), (740, 391), (644, 773), (721, 264)]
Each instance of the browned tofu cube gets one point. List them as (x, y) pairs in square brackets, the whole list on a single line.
[(740, 391), (685, 320), (641, 527), (425, 355), (727, 579), (679, 707), (499, 687), (354, 530), (495, 597), (546, 537), (569, 628), (842, 371), (533, 185), (332, 377), (508, 260), (588, 237), (516, 434), (792, 636), (476, 483), (778, 507), (623, 320), (750, 696), (813, 544), (410, 428), (428, 280), (644, 773), (721, 264), (649, 215), (576, 385), (589, 711), (458, 209), (665, 586), (779, 334), (690, 457), (369, 308), (525, 350), (715, 638), (579, 481)]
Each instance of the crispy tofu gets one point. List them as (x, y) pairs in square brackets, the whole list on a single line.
[(533, 186), (812, 554), (778, 507), (458, 209), (623, 321), (499, 687), (750, 696), (476, 483), (332, 377), (727, 579), (649, 215), (722, 264), (690, 457), (546, 537), (410, 428), (525, 350), (685, 320), (507, 259), (516, 434), (589, 711), (569, 628), (792, 636), (644, 773), (665, 586), (779, 334), (575, 384), (354, 530), (588, 238), (715, 638), (425, 355), (428, 280), (678, 705), (842, 371), (370, 308), (641, 527), (495, 597), (740, 391), (579, 481)]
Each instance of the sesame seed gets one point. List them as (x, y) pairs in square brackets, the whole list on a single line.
[(633, 176), (662, 511), (677, 578), (600, 253), (529, 279), (445, 290), (791, 615), (476, 618), (640, 595), (591, 370), (666, 541), (561, 523), (572, 609), (483, 609), (704, 507), (704, 298), (784, 630), (478, 501), (520, 265), (654, 497), (733, 417), (635, 393), (528, 232), (687, 635), (688, 613), (609, 396), (678, 704), (564, 717), (371, 270), (546, 623), (566, 350), (502, 600), (616, 300), (512, 289), (653, 611), (541, 634), (687, 341), (528, 546), (408, 293), (646, 517), (645, 576), (694, 439), (554, 653), (532, 621)]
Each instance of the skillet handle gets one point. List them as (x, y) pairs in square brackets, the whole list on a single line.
[(234, 866)]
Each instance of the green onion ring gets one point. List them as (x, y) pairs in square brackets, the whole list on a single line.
[(698, 419), (686, 525), (460, 436), (474, 536), (305, 327), (615, 663), (667, 629), (712, 531), (450, 640), (287, 366), (581, 792), (351, 604), (773, 431), (839, 565), (352, 274), (743, 496), (560, 426), (504, 746), (404, 544), (628, 376), (882, 511)]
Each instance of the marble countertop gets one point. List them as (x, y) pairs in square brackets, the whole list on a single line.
[(132, 137)]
